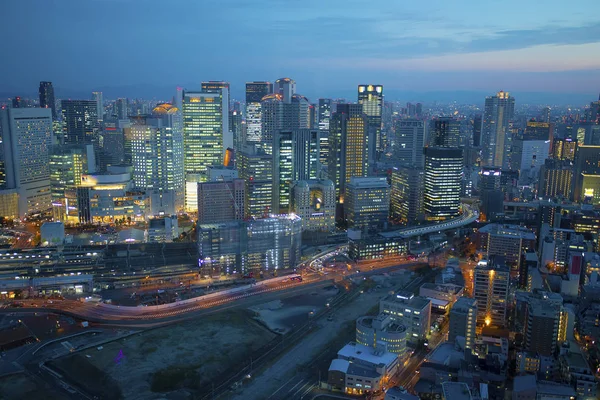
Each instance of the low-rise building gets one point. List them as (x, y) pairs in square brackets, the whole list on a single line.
[(443, 296), (412, 311), (52, 233), (382, 329), (456, 391), (360, 369), (163, 229)]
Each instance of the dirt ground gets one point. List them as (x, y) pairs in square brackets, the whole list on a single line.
[(20, 386), (173, 362)]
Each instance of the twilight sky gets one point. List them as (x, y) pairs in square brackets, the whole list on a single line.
[(327, 46)]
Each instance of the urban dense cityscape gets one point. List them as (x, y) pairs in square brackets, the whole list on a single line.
[(250, 242)]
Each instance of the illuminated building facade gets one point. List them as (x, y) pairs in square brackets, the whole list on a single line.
[(348, 157), (80, 121), (443, 179), (367, 204), (445, 132), (205, 121), (556, 179), (97, 97), (371, 98), (412, 311), (255, 91), (296, 157), (587, 174), (382, 328), (26, 135), (495, 130), (67, 165), (564, 149), (406, 195), (314, 202), (376, 247), (463, 320), (265, 244), (545, 326), (324, 114), (157, 158), (491, 291), (286, 88), (256, 169)]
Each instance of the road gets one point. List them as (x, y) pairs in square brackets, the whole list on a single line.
[(103, 313)]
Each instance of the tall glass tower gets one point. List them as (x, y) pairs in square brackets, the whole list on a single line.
[(371, 98), (255, 91), (499, 111)]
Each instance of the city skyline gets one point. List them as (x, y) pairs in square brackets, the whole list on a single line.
[(410, 49)]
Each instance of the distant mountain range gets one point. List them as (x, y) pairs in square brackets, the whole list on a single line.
[(166, 92)]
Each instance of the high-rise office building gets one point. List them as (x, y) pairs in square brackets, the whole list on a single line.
[(205, 119), (463, 321), (157, 158), (323, 148), (445, 132), (409, 142), (407, 195), (324, 114), (495, 130), (97, 97), (286, 87), (507, 241), (237, 129), (26, 140), (216, 87), (564, 149), (255, 91), (556, 179), (594, 111), (224, 90), (221, 201), (68, 163), (348, 136), (491, 279), (443, 179), (371, 98), (477, 121), (587, 174), (295, 157), (527, 157), (314, 202), (256, 169), (122, 108), (278, 115), (367, 203), (80, 119), (539, 131), (47, 99)]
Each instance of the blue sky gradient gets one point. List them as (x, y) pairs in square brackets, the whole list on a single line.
[(328, 46)]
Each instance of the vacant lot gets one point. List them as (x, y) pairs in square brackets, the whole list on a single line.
[(20, 386), (172, 362)]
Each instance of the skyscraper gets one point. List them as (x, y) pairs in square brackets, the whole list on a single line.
[(97, 96), (407, 195), (491, 291), (278, 115), (314, 202), (286, 87), (295, 157), (348, 134), (256, 169), (371, 98), (47, 97), (26, 139), (224, 90), (495, 133), (80, 118), (255, 91), (409, 142), (221, 201), (122, 108), (324, 114), (443, 177), (157, 158), (587, 174), (367, 203), (216, 86), (545, 326), (204, 124), (477, 121), (445, 132)]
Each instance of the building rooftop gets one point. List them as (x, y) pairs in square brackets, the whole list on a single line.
[(463, 304), (355, 351), (449, 288), (508, 230), (397, 393), (409, 299), (338, 364), (456, 391), (555, 389), (524, 382)]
